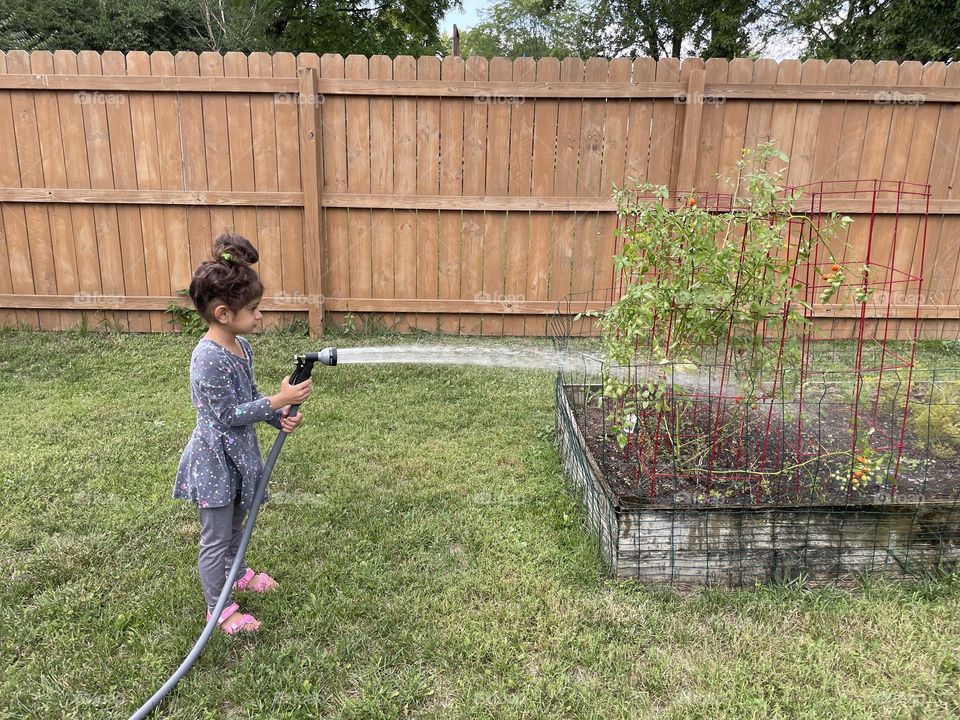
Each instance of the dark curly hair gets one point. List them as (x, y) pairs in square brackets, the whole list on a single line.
[(227, 277)]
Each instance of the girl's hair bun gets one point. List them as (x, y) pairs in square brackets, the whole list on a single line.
[(227, 277), (233, 248)]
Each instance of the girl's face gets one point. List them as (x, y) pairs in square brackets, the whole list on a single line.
[(242, 321), (249, 317)]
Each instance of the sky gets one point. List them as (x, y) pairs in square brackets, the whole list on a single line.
[(464, 19), (780, 48)]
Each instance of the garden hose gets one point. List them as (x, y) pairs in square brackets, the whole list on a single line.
[(304, 368)]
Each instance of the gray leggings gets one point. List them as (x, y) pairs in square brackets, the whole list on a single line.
[(220, 531)]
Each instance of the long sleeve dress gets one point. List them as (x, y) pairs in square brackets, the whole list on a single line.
[(223, 455)]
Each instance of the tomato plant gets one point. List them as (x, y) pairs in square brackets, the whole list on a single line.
[(698, 284)]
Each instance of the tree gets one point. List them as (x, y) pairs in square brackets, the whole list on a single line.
[(12, 38), (531, 28), (668, 28), (876, 30), (611, 28), (101, 25), (233, 26), (389, 27), (733, 28)]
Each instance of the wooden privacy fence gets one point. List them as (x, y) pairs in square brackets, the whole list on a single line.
[(461, 196)]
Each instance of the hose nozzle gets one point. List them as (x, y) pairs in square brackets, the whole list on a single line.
[(327, 356), (304, 363)]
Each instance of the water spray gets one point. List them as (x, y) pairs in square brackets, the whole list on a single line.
[(302, 371), (568, 360)]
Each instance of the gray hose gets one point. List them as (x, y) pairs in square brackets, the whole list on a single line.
[(150, 704)]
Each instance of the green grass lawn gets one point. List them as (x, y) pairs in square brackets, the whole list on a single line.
[(431, 565)]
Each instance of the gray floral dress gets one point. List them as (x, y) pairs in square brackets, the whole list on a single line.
[(223, 455)]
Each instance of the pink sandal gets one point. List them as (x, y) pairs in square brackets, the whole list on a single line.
[(255, 582), (242, 623)]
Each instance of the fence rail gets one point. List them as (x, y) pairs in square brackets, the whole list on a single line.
[(451, 195)]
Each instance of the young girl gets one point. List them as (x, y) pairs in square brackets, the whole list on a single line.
[(221, 464)]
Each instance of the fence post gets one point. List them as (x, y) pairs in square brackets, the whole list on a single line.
[(691, 131), (311, 165)]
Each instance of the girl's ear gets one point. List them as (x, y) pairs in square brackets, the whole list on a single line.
[(221, 313)]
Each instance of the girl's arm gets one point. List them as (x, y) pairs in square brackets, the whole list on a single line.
[(274, 418), (218, 390)]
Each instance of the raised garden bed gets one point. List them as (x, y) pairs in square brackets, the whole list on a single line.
[(737, 540)]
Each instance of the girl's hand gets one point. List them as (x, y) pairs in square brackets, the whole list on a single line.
[(289, 424), (292, 394)]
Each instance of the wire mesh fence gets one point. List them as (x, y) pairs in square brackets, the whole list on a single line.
[(840, 456)]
